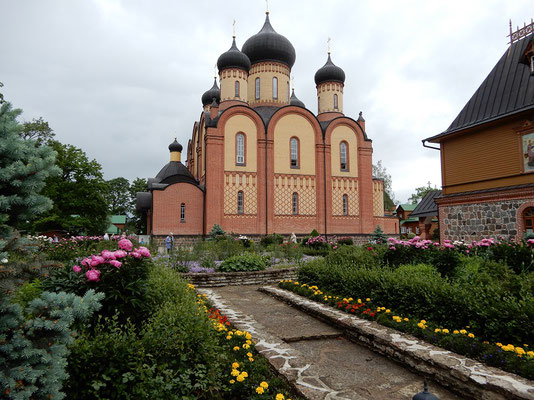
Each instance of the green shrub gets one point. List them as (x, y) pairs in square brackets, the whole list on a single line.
[(26, 293), (274, 238), (345, 241), (418, 292), (34, 343), (244, 262), (217, 232), (175, 354)]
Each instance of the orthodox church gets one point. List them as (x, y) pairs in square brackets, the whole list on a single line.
[(260, 162)]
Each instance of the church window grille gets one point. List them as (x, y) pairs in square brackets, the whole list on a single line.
[(275, 88), (295, 203), (240, 202), (236, 88), (240, 149), (182, 212), (294, 150), (345, 204), (343, 150), (257, 88), (335, 102)]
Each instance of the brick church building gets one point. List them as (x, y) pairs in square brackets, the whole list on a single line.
[(259, 161)]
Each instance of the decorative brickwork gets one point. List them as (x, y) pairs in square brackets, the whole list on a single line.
[(378, 198), (235, 182), (474, 221), (286, 185), (340, 187)]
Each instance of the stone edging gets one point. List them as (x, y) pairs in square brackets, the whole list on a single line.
[(215, 279), (289, 362), (463, 375)]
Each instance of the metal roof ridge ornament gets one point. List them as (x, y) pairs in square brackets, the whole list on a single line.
[(520, 33)]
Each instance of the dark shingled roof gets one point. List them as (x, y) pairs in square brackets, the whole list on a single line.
[(507, 90), (427, 206), (175, 172)]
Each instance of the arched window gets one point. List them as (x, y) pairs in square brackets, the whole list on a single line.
[(528, 219), (257, 88), (345, 204), (240, 202), (182, 212), (335, 102), (275, 87), (295, 203), (240, 149), (343, 156), (294, 150), (236, 88)]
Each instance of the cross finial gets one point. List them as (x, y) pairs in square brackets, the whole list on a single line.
[(293, 82), (215, 71), (328, 41), (233, 29), (267, 6)]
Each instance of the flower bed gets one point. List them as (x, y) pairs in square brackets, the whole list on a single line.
[(516, 359)]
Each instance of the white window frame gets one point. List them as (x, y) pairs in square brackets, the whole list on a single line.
[(294, 152), (182, 212), (343, 165), (240, 202), (295, 203), (275, 87), (240, 149), (257, 88)]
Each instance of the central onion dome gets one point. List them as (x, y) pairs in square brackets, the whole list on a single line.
[(329, 73), (233, 58), (267, 45), (213, 93)]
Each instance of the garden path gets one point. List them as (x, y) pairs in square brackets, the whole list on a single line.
[(322, 363)]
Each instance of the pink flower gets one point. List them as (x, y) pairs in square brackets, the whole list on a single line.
[(119, 253), (335, 247), (146, 253), (97, 260), (115, 263), (93, 275), (86, 262), (125, 244), (76, 268), (136, 254), (108, 255)]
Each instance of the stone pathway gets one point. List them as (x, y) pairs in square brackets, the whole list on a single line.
[(322, 363)]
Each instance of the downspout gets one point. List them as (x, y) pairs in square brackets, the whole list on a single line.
[(205, 182), (324, 191), (266, 207)]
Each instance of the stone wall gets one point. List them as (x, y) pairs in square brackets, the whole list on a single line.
[(240, 278), (474, 221)]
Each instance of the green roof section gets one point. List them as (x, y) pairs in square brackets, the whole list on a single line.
[(118, 219), (409, 219), (407, 206)]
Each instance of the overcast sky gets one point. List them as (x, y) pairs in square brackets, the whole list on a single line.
[(121, 79)]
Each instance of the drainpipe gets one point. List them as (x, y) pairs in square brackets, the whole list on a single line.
[(324, 181)]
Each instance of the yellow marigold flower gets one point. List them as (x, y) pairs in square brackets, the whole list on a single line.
[(232, 381), (456, 332), (235, 365), (388, 311), (296, 283), (423, 321), (234, 372), (280, 396), (406, 319), (519, 350), (368, 299), (229, 337), (249, 342), (251, 359), (463, 331), (437, 330), (248, 336), (471, 335), (530, 353), (236, 348), (249, 354), (240, 378), (264, 385), (244, 373), (238, 333), (259, 390), (246, 346)]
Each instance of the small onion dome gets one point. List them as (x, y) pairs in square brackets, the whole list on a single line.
[(329, 73), (294, 101), (360, 117), (213, 93), (175, 146), (233, 58), (267, 45)]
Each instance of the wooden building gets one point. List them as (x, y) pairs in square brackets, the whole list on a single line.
[(426, 214), (487, 153)]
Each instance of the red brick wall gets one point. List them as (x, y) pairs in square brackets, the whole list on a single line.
[(166, 206)]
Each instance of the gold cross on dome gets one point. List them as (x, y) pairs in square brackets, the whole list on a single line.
[(328, 41), (267, 6), (234, 28)]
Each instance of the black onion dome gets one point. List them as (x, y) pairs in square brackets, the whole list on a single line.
[(213, 93), (294, 101), (233, 58), (267, 45), (175, 146), (329, 73)]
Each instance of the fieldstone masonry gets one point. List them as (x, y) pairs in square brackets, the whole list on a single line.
[(468, 222)]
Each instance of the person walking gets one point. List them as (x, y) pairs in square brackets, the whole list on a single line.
[(169, 243)]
